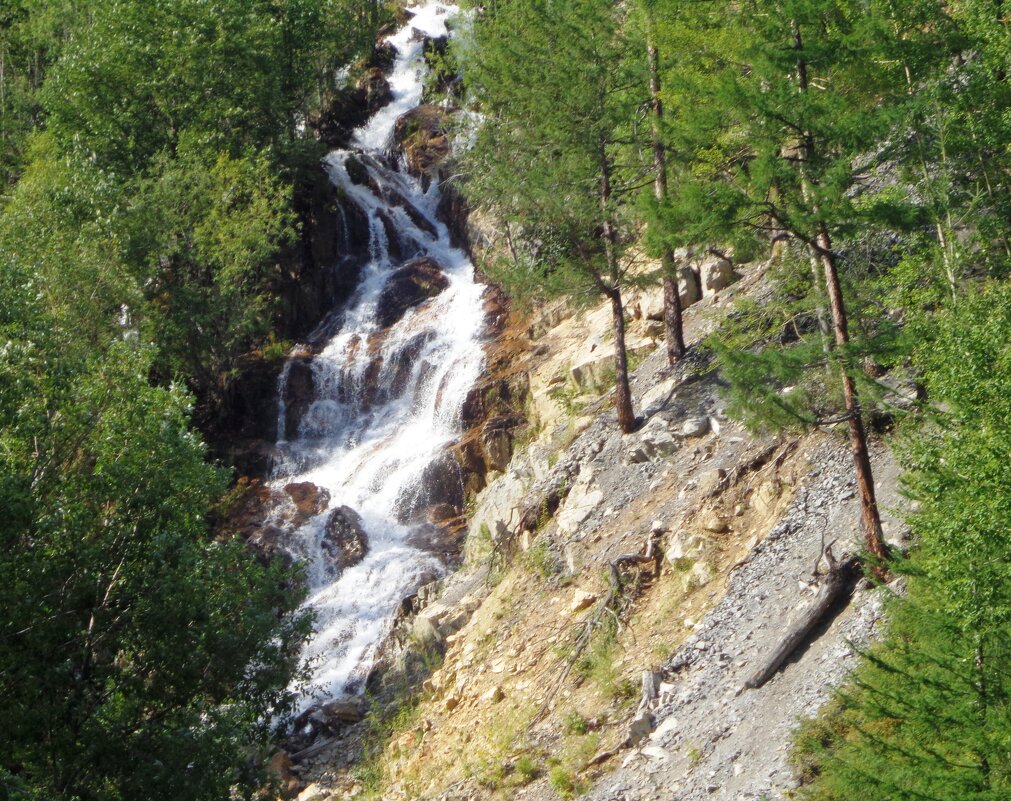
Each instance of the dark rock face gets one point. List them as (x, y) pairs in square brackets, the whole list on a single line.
[(352, 106), (268, 545), (452, 212), (417, 281), (299, 394), (344, 540), (376, 89), (441, 484)]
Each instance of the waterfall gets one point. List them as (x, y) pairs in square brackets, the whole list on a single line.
[(389, 374)]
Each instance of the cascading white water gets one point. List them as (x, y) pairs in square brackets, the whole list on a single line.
[(386, 401)]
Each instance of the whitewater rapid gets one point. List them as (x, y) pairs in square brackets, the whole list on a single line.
[(370, 431)]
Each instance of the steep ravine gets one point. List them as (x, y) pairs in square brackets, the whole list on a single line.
[(419, 425), (384, 420)]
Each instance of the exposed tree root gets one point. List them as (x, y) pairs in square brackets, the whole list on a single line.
[(611, 604)]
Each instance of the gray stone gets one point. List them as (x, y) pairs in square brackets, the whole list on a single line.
[(695, 427), (640, 727)]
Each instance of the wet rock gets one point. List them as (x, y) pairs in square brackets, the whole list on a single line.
[(401, 365), (309, 499), (421, 135), (357, 172), (441, 482), (300, 392), (344, 540), (414, 283), (347, 710), (267, 543), (375, 87), (350, 107), (443, 538)]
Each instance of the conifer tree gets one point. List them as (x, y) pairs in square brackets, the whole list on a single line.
[(928, 716), (804, 95), (672, 311), (557, 84)]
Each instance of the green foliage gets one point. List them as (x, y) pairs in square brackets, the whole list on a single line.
[(140, 657), (556, 83), (574, 723), (146, 156), (773, 353), (527, 770)]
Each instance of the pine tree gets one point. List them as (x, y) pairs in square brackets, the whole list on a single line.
[(554, 82)]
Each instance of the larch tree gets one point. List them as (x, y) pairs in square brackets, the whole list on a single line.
[(803, 95), (559, 87)]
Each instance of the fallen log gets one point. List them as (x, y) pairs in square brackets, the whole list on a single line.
[(832, 585)]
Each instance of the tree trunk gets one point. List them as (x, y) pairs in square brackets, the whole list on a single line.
[(870, 516), (858, 437), (672, 313), (622, 392)]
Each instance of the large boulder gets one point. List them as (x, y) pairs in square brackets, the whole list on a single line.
[(375, 88), (440, 483), (344, 540), (414, 283)]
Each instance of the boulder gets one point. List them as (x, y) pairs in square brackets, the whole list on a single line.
[(414, 283), (685, 549), (346, 710), (658, 396), (581, 599), (695, 427), (309, 499), (716, 273), (375, 88), (441, 482), (579, 505), (640, 727), (344, 540), (494, 695), (356, 170), (267, 544), (422, 137)]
